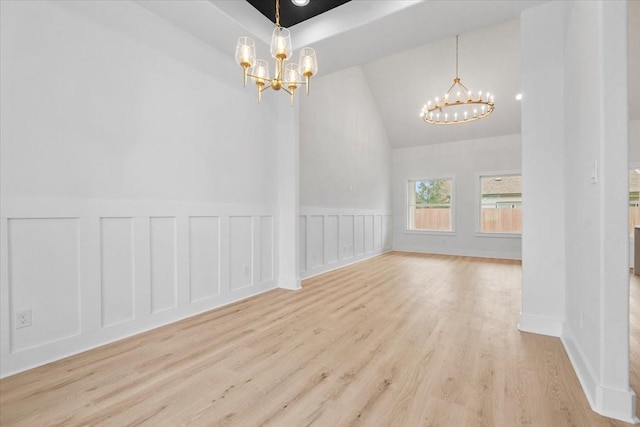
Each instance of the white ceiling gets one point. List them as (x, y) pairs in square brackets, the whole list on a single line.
[(407, 50)]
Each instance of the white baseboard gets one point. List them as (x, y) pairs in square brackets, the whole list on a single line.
[(458, 252), (540, 325), (608, 402), (340, 264), (290, 284)]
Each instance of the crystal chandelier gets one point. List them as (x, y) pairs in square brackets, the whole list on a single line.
[(288, 77), (457, 106)]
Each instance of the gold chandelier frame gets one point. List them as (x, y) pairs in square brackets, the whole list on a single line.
[(287, 77), (479, 106)]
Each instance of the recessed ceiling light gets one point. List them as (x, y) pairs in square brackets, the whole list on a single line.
[(518, 97), (300, 2)]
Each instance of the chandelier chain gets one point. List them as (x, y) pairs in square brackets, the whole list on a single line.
[(278, 13), (457, 75)]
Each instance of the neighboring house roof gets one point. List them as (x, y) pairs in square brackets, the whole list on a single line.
[(502, 185)]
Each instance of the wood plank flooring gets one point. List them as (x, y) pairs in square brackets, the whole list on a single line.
[(398, 340)]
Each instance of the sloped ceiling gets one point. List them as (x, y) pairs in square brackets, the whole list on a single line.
[(407, 50)]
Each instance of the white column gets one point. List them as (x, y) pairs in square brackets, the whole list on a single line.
[(543, 243), (614, 395), (288, 193)]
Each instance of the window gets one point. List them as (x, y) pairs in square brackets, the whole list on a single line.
[(634, 199), (430, 204), (501, 204)]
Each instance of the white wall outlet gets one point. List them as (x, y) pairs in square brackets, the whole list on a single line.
[(246, 270), (23, 318)]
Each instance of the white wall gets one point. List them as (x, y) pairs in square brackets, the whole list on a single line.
[(345, 166), (586, 267), (138, 178), (464, 160)]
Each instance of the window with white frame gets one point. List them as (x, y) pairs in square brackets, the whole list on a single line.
[(501, 203), (634, 199), (430, 204)]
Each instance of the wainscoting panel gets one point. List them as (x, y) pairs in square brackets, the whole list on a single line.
[(44, 279), (117, 270), (315, 241), (164, 281), (377, 232), (368, 233), (359, 235), (240, 252), (302, 229), (266, 248), (332, 238), (93, 271), (204, 257), (346, 236)]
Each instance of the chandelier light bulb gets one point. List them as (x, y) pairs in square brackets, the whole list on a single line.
[(300, 2)]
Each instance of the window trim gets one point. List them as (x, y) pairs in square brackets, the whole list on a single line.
[(451, 232), (478, 187)]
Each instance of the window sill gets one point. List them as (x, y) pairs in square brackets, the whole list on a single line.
[(498, 234), (431, 232)]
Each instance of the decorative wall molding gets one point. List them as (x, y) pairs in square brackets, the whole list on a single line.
[(96, 271), (334, 238)]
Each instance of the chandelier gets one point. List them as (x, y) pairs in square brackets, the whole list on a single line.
[(287, 78), (459, 104)]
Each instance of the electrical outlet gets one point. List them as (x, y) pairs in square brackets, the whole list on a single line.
[(23, 318), (246, 270)]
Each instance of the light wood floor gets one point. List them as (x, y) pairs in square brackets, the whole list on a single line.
[(398, 340)]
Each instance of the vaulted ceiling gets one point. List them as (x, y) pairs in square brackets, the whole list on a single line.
[(407, 51)]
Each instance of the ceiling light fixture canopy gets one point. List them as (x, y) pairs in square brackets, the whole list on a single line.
[(287, 78), (300, 2), (457, 106)]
